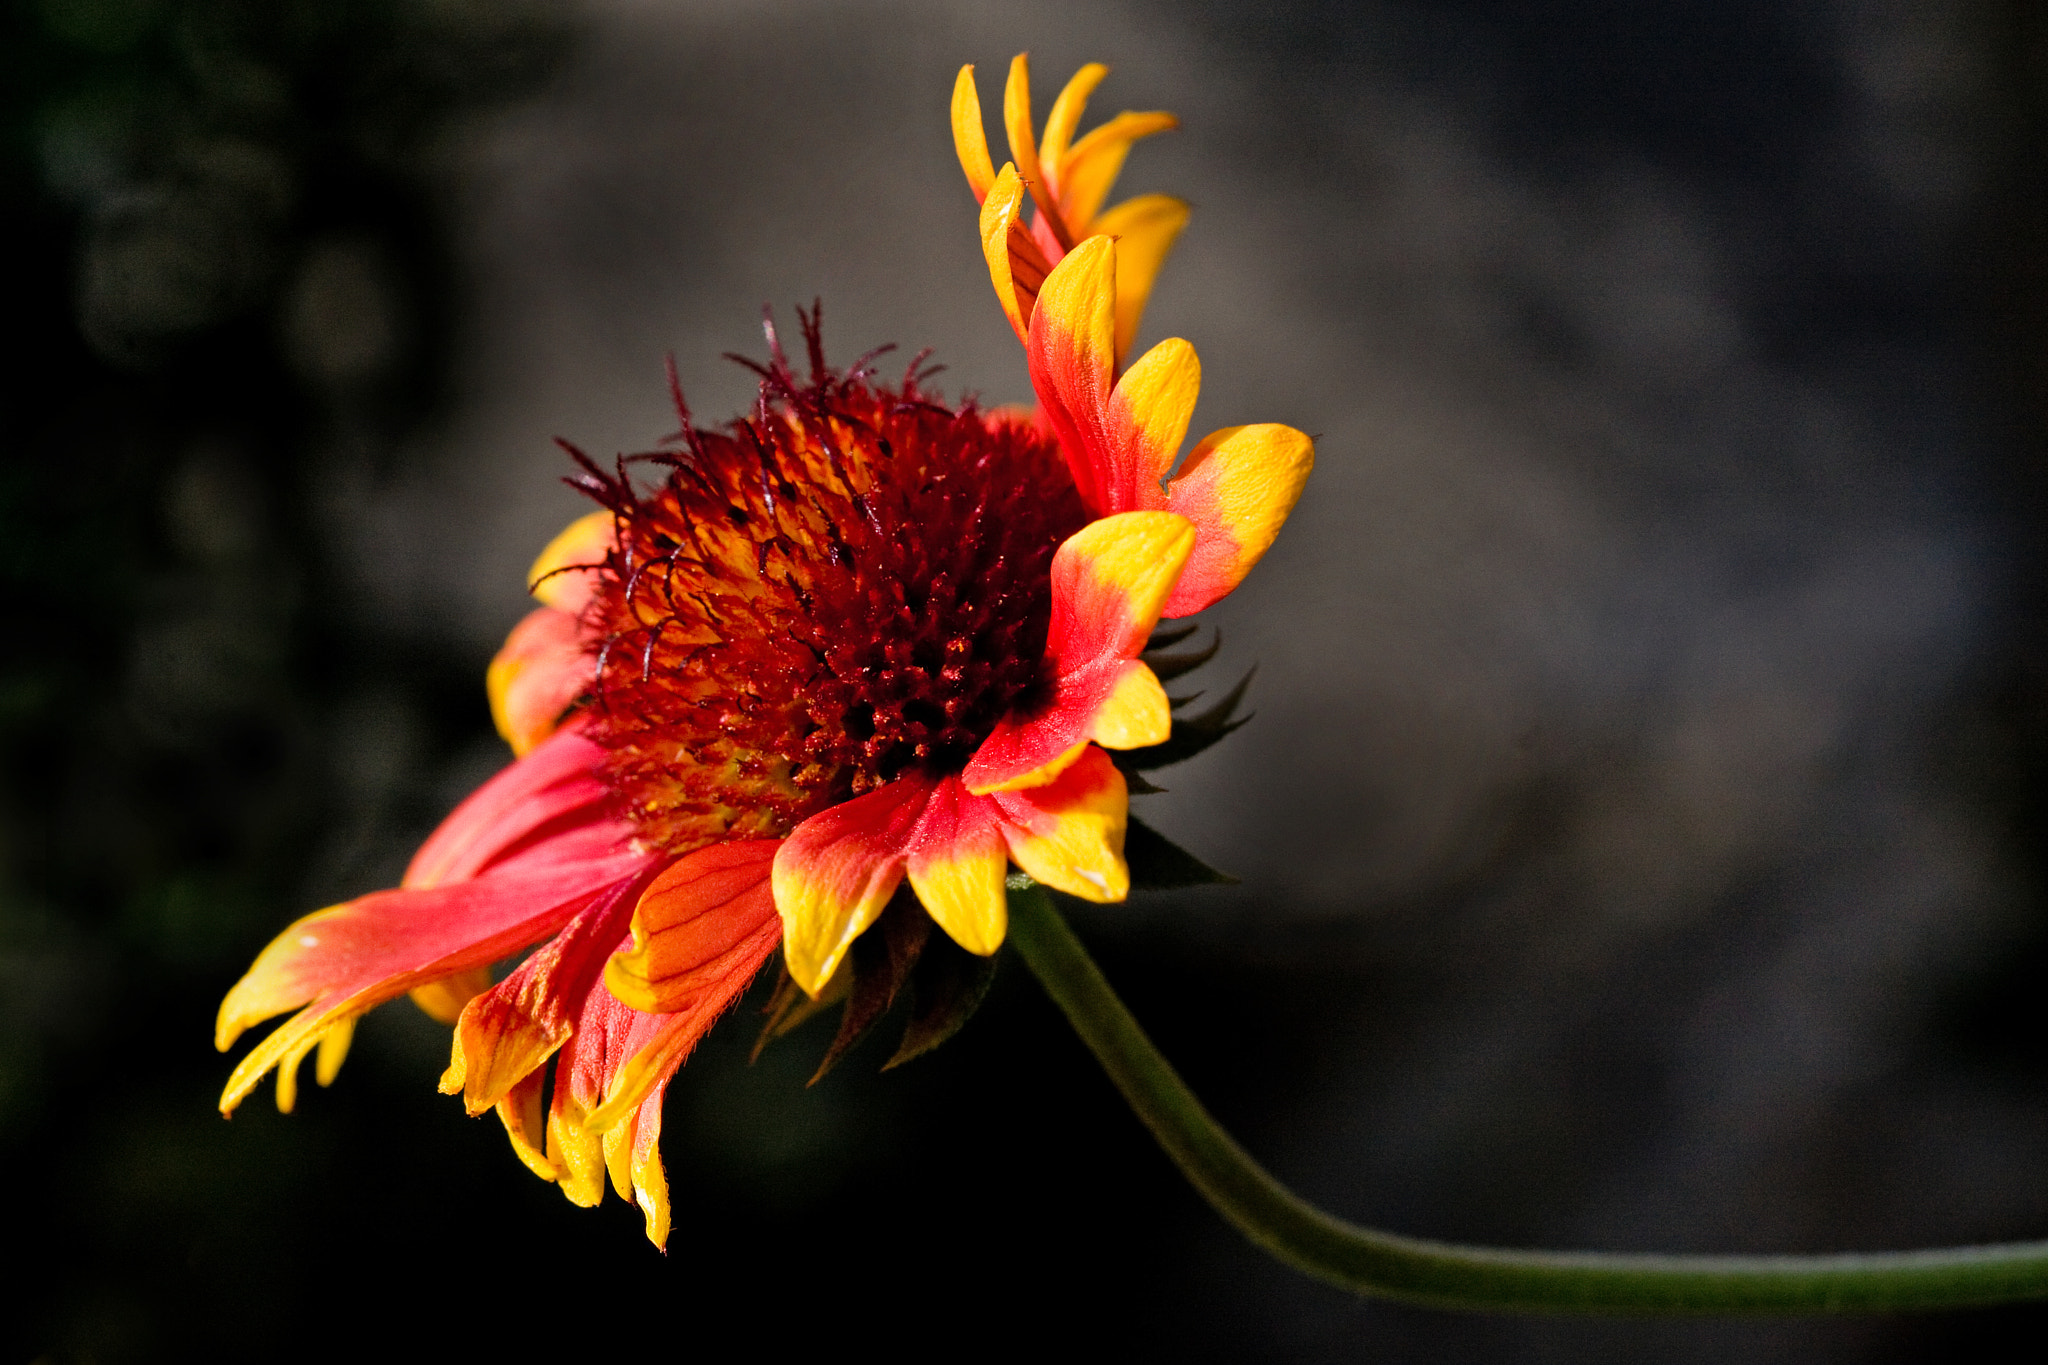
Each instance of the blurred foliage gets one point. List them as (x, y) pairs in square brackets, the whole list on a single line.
[(227, 277)]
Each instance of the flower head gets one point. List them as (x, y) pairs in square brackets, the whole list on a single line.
[(1067, 179), (855, 642)]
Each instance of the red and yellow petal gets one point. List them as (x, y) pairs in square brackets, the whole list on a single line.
[(1070, 346), (663, 1041), (1069, 833), (1237, 487), (1109, 581), (633, 1157), (956, 861), (556, 786), (836, 872), (537, 676), (589, 1137), (339, 962), (1119, 438), (1017, 265), (507, 1032), (689, 924), (565, 575)]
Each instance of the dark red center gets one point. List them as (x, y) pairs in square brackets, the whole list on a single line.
[(851, 584)]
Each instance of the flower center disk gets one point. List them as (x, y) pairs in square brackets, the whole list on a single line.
[(847, 586)]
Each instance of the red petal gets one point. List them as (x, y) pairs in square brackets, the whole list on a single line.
[(554, 785)]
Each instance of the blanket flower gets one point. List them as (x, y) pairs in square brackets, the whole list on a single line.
[(858, 653)]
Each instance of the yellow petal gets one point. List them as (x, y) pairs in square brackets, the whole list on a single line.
[(565, 573), (1024, 147), (526, 1125), (288, 1073), (1070, 835), (618, 1157), (1150, 408), (970, 143), (1093, 165), (1137, 713), (576, 1154), (956, 867), (1145, 229), (999, 225), (1066, 116), (334, 1051), (443, 1000)]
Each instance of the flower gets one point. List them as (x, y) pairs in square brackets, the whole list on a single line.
[(1073, 285), (853, 642)]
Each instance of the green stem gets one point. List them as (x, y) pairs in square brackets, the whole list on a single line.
[(1447, 1275)]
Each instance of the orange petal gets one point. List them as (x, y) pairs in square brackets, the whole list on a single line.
[(1109, 581), (1071, 349), (1237, 486), (1088, 171), (537, 676), (1145, 229), (970, 143), (837, 870), (956, 865), (565, 575), (506, 1033), (690, 921), (659, 1043), (1064, 118), (1069, 834)]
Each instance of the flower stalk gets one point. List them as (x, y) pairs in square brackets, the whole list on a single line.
[(1447, 1275)]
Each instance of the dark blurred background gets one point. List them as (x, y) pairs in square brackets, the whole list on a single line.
[(1640, 828)]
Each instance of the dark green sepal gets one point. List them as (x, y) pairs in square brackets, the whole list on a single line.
[(789, 1008), (882, 961), (1165, 636), (1157, 863), (1135, 782), (1171, 666), (946, 988)]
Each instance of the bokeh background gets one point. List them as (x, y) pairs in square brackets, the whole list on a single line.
[(1640, 830)]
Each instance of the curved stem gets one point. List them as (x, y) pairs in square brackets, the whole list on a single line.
[(1447, 1275)]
